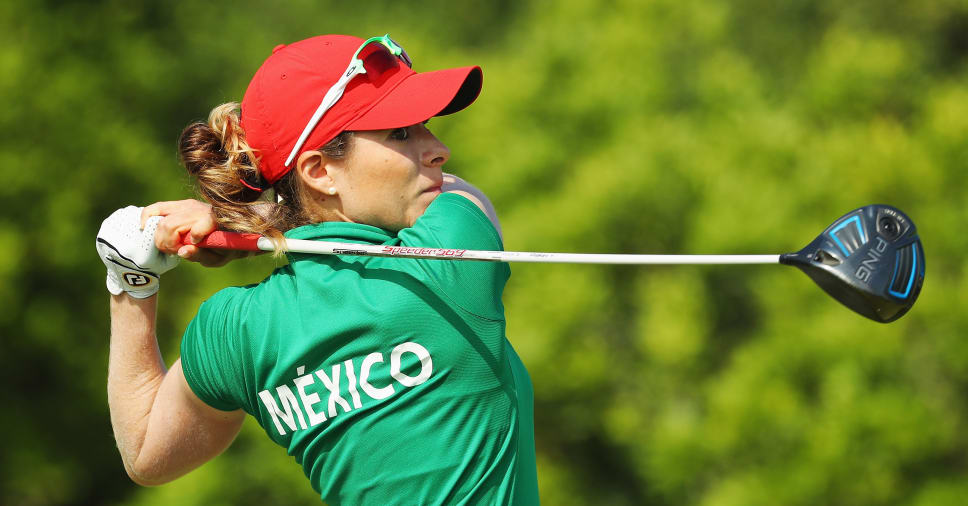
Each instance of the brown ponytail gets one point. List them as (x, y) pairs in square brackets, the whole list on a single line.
[(226, 170)]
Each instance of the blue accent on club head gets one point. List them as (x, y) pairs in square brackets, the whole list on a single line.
[(914, 271), (843, 225)]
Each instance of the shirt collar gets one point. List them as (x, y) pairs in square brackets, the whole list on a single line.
[(342, 232)]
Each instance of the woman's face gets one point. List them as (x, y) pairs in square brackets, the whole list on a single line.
[(389, 177)]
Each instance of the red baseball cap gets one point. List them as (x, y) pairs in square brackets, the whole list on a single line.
[(290, 84)]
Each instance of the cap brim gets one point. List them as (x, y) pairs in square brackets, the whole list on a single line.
[(421, 97)]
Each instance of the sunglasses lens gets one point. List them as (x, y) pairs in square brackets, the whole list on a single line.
[(377, 61)]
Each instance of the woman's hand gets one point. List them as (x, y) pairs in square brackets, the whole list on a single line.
[(187, 221)]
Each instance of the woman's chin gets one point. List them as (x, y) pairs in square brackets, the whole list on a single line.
[(426, 198)]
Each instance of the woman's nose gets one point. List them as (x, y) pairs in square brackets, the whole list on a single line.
[(436, 153)]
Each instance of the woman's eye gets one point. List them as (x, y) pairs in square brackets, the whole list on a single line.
[(400, 134)]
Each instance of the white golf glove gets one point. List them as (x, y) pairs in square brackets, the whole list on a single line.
[(134, 264)]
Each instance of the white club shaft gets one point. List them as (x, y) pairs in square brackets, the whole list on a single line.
[(339, 248)]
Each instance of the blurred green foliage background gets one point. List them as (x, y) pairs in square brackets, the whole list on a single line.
[(661, 126)]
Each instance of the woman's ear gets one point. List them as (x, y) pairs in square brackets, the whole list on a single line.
[(318, 171)]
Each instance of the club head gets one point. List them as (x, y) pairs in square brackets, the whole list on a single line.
[(870, 259)]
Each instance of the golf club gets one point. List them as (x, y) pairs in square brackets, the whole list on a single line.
[(870, 259)]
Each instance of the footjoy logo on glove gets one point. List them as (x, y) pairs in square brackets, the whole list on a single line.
[(136, 279)]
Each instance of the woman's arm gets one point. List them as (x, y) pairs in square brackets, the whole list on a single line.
[(163, 430), (454, 184)]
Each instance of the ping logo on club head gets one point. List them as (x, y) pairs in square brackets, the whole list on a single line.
[(136, 279), (874, 255)]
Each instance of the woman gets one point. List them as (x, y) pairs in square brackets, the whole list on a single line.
[(389, 380)]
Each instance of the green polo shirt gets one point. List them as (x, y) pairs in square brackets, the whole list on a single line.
[(390, 380)]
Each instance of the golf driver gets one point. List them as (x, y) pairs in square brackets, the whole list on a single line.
[(870, 259)]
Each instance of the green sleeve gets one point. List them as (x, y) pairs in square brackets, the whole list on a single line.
[(452, 221), (210, 353)]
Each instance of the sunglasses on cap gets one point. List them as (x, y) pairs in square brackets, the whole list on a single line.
[(373, 55)]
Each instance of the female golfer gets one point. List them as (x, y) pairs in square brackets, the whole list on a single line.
[(389, 380)]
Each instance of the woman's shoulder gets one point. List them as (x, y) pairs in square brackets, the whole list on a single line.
[(453, 221)]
